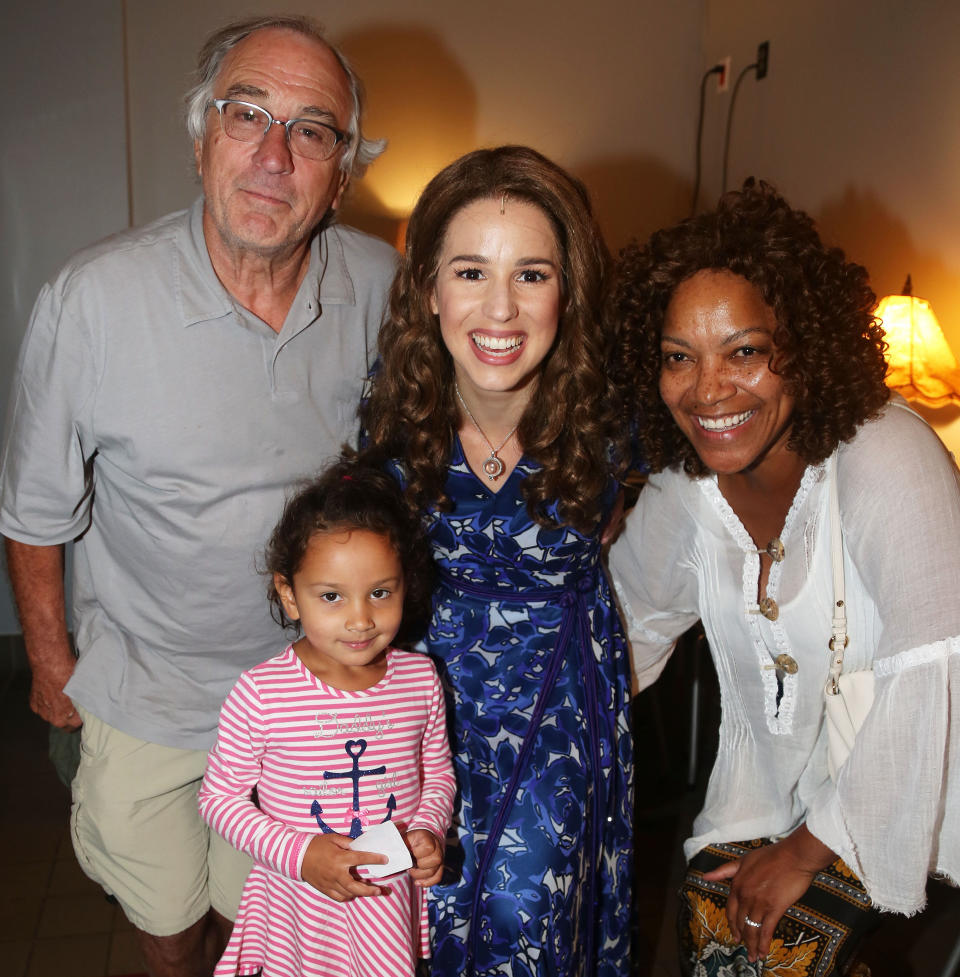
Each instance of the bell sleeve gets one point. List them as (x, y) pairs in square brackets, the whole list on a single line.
[(894, 814)]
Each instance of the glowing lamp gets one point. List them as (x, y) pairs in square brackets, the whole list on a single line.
[(920, 364)]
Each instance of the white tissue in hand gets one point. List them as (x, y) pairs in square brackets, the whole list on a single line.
[(383, 839)]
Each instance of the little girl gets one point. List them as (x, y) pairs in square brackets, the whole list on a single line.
[(339, 733)]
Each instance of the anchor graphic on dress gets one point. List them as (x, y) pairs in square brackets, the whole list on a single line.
[(354, 749)]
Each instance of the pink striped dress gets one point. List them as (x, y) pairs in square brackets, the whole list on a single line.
[(322, 759)]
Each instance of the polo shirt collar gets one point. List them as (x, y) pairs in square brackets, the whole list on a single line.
[(201, 296)]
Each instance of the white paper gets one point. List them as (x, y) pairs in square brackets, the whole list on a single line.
[(383, 839)]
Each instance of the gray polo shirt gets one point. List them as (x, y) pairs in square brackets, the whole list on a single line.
[(161, 424)]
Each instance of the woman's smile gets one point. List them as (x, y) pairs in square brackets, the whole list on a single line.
[(725, 423)]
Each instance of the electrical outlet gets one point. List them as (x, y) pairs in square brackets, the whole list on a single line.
[(723, 75), (763, 59)]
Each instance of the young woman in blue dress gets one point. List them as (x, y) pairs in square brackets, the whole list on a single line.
[(493, 408)]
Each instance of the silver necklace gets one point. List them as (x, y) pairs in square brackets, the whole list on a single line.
[(492, 465)]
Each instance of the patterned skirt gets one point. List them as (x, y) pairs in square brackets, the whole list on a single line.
[(817, 936)]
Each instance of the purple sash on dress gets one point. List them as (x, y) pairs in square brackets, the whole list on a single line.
[(575, 616)]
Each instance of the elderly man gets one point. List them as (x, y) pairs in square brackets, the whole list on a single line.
[(173, 381)]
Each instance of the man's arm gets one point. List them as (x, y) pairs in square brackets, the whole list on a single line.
[(36, 573)]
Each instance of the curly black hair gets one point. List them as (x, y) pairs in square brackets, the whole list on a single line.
[(829, 347), (353, 495)]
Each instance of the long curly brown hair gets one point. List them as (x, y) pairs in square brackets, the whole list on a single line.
[(828, 345), (569, 426)]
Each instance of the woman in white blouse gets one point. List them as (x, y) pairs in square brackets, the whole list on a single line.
[(755, 373)]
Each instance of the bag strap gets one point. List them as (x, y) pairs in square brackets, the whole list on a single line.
[(903, 405), (838, 629)]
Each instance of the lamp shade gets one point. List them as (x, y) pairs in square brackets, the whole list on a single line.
[(920, 364)]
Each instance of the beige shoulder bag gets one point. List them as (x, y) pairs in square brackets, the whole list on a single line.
[(848, 695)]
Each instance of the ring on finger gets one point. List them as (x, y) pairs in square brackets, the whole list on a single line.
[(752, 922)]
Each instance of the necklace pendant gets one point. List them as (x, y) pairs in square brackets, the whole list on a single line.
[(493, 467)]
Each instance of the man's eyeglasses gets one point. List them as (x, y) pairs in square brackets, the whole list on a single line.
[(247, 122)]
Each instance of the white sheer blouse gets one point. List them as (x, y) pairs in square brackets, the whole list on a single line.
[(894, 814)]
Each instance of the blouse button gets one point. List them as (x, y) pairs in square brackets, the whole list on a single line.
[(775, 550), (786, 664), (769, 609)]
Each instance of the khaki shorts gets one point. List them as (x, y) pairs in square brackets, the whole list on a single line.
[(138, 833)]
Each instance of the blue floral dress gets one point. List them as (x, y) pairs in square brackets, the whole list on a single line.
[(532, 655)]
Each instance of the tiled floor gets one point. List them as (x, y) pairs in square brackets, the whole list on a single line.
[(55, 923)]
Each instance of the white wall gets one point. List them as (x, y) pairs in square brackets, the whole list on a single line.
[(858, 122), (63, 176)]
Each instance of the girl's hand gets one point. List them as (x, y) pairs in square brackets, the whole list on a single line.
[(329, 865), (427, 852), (766, 882)]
